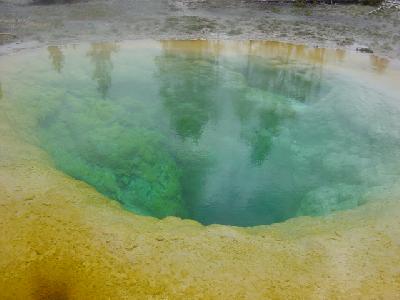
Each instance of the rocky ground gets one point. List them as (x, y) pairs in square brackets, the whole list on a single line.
[(344, 26)]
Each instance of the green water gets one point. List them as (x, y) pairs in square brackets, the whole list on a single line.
[(220, 138)]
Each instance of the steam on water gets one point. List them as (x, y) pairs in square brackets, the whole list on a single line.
[(187, 129)]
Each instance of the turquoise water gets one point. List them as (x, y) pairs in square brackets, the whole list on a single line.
[(219, 137)]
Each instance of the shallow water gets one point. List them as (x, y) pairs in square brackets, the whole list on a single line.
[(240, 133)]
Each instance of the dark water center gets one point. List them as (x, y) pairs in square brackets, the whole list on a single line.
[(230, 133)]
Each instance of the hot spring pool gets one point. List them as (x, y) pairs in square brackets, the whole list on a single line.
[(237, 133)]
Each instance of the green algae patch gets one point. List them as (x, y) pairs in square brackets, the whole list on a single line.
[(130, 164)]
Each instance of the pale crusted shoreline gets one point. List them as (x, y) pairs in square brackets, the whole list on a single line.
[(333, 26)]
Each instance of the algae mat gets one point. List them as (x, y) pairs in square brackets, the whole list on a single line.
[(62, 239)]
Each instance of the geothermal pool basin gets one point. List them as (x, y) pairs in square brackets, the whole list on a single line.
[(114, 156)]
